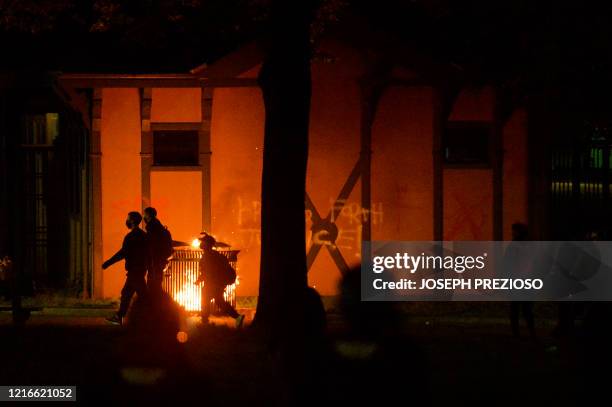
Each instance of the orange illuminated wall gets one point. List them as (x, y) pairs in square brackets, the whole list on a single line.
[(402, 168), (177, 196), (468, 204), (468, 192), (236, 165), (177, 193), (402, 164), (335, 116), (515, 171), (176, 105), (120, 147), (237, 141)]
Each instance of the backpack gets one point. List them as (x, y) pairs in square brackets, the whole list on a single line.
[(166, 243), (229, 274)]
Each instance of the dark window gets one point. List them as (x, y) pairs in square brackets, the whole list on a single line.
[(467, 144), (175, 148), (40, 129)]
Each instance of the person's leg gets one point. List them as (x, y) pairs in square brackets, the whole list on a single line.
[(140, 286), (155, 277), (205, 306), (225, 307), (127, 292)]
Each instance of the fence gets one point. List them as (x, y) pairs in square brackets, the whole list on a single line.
[(182, 273)]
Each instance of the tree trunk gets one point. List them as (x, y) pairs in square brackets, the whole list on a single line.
[(285, 84)]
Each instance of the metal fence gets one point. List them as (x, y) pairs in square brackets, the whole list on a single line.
[(182, 273)]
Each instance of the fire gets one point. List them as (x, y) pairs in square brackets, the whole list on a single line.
[(181, 277), (195, 243), (189, 295)]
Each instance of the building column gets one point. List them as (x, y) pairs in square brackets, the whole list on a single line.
[(439, 124), (95, 159), (205, 153), (4, 190), (146, 146), (498, 172), (371, 93)]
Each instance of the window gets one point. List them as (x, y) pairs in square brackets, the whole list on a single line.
[(175, 148), (467, 144), (39, 132), (40, 129)]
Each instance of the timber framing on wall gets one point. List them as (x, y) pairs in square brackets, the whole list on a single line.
[(445, 97), (146, 146), (205, 156), (95, 159), (498, 170), (227, 73), (439, 122), (371, 92)]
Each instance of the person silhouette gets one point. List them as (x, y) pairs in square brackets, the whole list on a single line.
[(518, 262), (216, 273), (135, 252), (160, 248)]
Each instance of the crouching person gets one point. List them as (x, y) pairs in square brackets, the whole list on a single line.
[(216, 273), (134, 251)]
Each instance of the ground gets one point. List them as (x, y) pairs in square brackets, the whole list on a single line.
[(467, 361)]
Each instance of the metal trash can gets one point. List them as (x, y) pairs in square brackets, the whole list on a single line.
[(182, 272)]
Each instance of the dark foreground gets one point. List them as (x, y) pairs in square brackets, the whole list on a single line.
[(464, 362)]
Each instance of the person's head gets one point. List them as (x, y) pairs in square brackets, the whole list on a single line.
[(133, 220), (207, 242), (149, 214), (519, 231)]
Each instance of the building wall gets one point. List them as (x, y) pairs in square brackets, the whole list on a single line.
[(177, 196), (237, 141), (177, 193), (402, 165), (176, 105), (515, 172), (121, 183), (236, 165), (335, 119), (468, 192), (402, 169)]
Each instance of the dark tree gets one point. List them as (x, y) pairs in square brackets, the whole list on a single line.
[(286, 86)]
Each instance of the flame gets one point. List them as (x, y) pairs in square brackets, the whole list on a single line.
[(190, 297), (183, 286), (195, 243)]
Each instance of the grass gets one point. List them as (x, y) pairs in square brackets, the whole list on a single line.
[(465, 364)]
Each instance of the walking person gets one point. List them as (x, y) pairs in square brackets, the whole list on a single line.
[(520, 266), (216, 273), (135, 252), (160, 249)]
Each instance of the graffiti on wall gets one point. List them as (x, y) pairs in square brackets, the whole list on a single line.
[(343, 231)]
